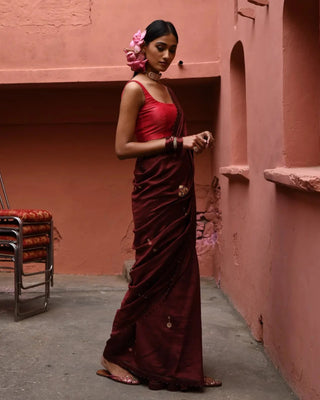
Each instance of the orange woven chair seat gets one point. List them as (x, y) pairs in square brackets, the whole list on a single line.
[(28, 229), (28, 255), (27, 215), (33, 229), (32, 241), (34, 254)]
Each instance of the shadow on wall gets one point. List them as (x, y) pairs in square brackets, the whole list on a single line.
[(62, 141), (301, 83)]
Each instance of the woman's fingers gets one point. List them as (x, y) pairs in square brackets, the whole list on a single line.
[(198, 142), (208, 137), (201, 141)]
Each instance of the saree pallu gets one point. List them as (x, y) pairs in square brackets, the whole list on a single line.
[(156, 333)]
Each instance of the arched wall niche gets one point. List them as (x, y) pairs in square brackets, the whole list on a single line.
[(301, 83), (238, 106)]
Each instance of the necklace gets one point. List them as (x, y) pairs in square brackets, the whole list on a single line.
[(155, 76)]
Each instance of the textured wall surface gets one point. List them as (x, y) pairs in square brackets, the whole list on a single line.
[(45, 12), (83, 40), (270, 230)]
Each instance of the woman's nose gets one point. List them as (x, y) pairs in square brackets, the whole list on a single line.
[(166, 54)]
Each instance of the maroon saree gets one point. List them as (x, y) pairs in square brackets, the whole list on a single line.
[(156, 333)]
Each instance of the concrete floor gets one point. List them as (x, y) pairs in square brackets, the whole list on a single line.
[(55, 355)]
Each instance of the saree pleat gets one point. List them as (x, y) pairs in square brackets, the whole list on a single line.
[(156, 333)]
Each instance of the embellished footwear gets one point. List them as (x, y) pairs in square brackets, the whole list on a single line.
[(127, 379), (210, 382)]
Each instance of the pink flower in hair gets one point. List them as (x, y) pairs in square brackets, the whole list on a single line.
[(135, 58), (137, 40)]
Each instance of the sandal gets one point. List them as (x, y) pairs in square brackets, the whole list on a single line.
[(127, 379)]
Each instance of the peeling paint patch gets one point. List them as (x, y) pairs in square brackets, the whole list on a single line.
[(209, 220), (235, 245), (45, 12)]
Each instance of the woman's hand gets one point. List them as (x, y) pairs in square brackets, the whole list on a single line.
[(198, 142)]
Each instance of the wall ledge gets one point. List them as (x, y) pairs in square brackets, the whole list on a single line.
[(235, 172), (103, 73), (247, 13), (259, 2), (306, 178)]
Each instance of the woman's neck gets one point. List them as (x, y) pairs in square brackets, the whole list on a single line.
[(154, 76)]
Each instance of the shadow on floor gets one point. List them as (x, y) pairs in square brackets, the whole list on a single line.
[(55, 355)]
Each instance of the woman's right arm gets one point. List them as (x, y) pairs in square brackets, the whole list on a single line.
[(131, 102), (125, 146)]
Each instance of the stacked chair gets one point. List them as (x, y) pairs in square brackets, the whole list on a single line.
[(26, 248)]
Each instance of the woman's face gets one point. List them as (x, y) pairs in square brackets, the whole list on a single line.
[(161, 52)]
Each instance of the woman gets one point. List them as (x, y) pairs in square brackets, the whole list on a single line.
[(156, 334)]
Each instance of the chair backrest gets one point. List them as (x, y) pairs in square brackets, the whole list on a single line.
[(3, 195)]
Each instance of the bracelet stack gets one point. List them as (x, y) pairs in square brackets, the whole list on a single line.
[(173, 144)]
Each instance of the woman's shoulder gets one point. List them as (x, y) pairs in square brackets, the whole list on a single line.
[(133, 88), (132, 93)]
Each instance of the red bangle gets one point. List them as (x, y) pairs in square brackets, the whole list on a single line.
[(179, 144), (169, 145)]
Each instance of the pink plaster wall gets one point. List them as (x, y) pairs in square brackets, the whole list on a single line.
[(301, 59), (57, 153), (68, 40), (270, 258)]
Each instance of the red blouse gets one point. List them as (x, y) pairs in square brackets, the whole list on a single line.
[(155, 119)]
